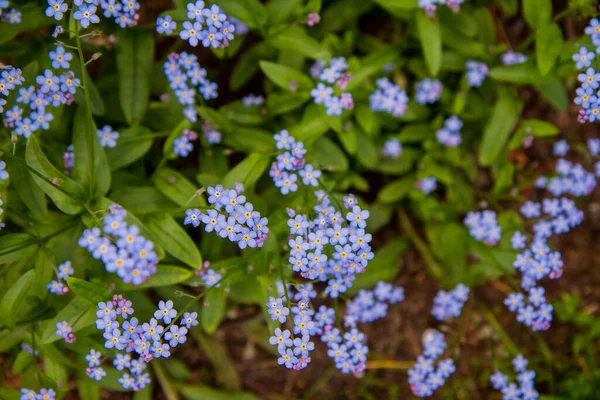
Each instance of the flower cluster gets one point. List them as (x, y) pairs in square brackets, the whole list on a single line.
[(424, 377), (448, 305), (212, 135), (371, 305), (428, 91), (208, 275), (123, 12), (231, 217), (181, 67), (50, 90), (449, 135), (10, 78), (587, 93), (64, 330), (11, 16), (555, 216), (208, 26), (476, 72), (430, 5), (388, 97), (121, 247), (126, 334), (483, 226), (290, 164), (330, 91), (427, 185), (44, 394), (511, 58), (58, 287), (510, 391), (253, 100), (108, 137), (182, 146), (392, 148)]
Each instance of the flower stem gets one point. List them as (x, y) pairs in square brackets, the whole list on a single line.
[(434, 268)]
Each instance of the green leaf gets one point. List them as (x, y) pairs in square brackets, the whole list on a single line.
[(525, 73), (177, 188), (247, 65), (248, 139), (79, 314), (283, 102), (13, 298), (451, 253), (505, 116), (195, 392), (213, 310), (252, 12), (133, 144), (166, 275), (32, 17), (65, 200), (44, 269), (367, 119), (135, 54), (88, 389), (91, 292), (247, 172), (384, 266), (90, 165), (537, 12), (218, 354), (170, 235), (548, 46), (143, 200), (282, 75), (372, 64), (539, 128), (16, 246), (553, 89), (96, 102), (29, 192), (296, 39), (431, 42), (329, 155), (397, 190)]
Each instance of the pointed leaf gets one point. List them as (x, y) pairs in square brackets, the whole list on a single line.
[(13, 298), (173, 238)]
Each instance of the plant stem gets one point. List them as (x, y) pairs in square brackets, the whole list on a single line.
[(169, 390), (389, 364), (88, 103), (434, 268)]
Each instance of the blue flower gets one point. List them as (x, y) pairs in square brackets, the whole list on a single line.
[(214, 16), (194, 11), (165, 311), (108, 137), (476, 73), (63, 329), (166, 25), (190, 319), (111, 8), (160, 350), (191, 32), (48, 82), (584, 58), (176, 335), (86, 14), (60, 58)]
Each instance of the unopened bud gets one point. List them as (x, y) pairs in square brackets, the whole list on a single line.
[(200, 191), (14, 137), (96, 56), (57, 181), (171, 179)]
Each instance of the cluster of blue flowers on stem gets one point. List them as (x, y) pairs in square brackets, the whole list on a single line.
[(425, 377), (253, 100), (526, 379), (428, 91), (290, 164), (121, 247), (231, 217), (181, 68), (182, 146), (123, 12), (388, 97), (448, 305), (127, 335), (330, 91), (206, 25), (44, 394), (483, 226), (555, 216), (587, 93), (58, 287), (10, 78), (476, 73), (3, 177), (11, 16), (50, 90), (449, 135)]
